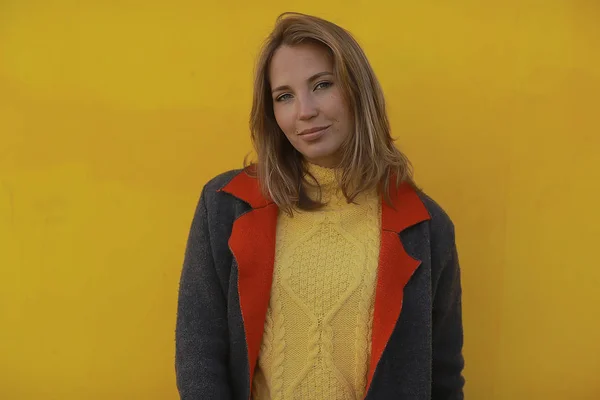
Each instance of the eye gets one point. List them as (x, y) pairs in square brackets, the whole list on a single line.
[(323, 85), (283, 97)]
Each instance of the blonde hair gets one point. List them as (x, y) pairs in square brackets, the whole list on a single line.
[(369, 158)]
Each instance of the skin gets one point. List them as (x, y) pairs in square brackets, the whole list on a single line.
[(307, 97)]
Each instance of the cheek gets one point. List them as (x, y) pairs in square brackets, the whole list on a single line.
[(344, 121), (285, 120), (338, 111)]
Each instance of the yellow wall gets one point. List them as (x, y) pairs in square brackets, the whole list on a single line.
[(114, 114)]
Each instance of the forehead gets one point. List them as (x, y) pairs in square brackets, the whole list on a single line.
[(298, 62)]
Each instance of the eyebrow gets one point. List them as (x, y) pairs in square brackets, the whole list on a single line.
[(311, 79)]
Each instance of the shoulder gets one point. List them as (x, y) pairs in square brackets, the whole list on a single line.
[(440, 224), (218, 182), (211, 195), (228, 188), (441, 236)]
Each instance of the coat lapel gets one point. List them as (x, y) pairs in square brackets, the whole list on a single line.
[(395, 268), (252, 243)]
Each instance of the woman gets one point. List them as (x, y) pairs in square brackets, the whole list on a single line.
[(321, 271)]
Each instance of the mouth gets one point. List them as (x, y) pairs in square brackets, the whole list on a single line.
[(314, 130)]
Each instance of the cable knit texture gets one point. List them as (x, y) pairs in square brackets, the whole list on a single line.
[(317, 334)]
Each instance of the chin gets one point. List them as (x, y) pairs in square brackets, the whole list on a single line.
[(312, 155), (323, 158)]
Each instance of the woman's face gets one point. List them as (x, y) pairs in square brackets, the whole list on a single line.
[(308, 102)]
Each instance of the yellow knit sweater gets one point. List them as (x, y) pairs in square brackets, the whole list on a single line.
[(317, 336)]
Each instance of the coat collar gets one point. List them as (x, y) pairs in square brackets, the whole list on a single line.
[(253, 241)]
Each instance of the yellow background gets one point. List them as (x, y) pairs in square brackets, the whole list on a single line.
[(113, 114)]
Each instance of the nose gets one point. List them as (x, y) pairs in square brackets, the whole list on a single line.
[(307, 107)]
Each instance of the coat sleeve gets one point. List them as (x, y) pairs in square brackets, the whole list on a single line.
[(201, 337), (448, 362)]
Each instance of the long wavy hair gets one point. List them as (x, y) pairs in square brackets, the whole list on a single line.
[(369, 158)]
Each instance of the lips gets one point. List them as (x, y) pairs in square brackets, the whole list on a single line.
[(313, 130)]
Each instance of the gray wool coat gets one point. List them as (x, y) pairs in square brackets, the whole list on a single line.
[(226, 279)]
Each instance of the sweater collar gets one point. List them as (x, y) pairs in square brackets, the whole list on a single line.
[(323, 183)]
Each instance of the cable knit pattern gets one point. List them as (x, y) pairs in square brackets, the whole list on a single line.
[(317, 334), (366, 305)]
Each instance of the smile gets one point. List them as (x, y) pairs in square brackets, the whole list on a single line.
[(313, 133)]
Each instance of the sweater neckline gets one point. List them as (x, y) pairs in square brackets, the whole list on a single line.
[(326, 188), (325, 177)]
